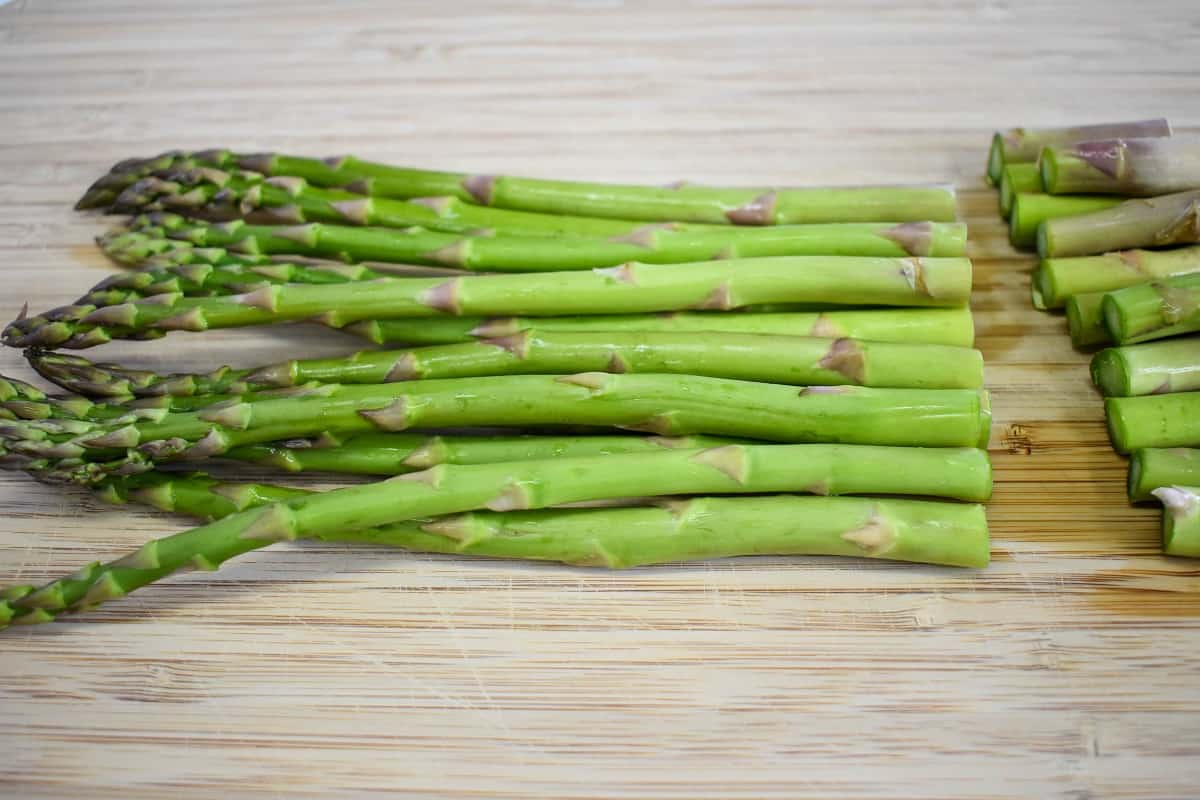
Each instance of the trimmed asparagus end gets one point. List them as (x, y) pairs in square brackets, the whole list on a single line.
[(1181, 524), (995, 164), (1110, 373)]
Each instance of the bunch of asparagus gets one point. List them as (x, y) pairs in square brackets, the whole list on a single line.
[(766, 342), (1071, 188)]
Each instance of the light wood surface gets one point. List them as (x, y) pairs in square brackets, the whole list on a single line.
[(1070, 668)]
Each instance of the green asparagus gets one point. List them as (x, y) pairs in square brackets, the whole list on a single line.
[(953, 327), (518, 486), (658, 244), (663, 404), (770, 359), (216, 195), (1023, 145), (1156, 310), (1029, 211), (1163, 420), (1056, 279), (1152, 467), (1018, 179), (397, 453), (1130, 167), (1155, 368), (952, 534), (1148, 222), (630, 288), (679, 202), (1085, 320), (1181, 520)]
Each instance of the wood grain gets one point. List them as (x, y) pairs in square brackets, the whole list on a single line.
[(1068, 669)]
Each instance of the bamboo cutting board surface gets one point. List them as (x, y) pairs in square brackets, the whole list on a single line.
[(1067, 669)]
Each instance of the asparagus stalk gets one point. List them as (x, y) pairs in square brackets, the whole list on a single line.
[(658, 244), (383, 453), (1056, 279), (1023, 145), (698, 528), (1164, 420), (1129, 167), (803, 361), (397, 453), (953, 327), (218, 195), (680, 202), (1029, 211), (1018, 179), (1147, 222), (631, 288), (1156, 310), (1153, 467), (518, 486), (663, 404), (1155, 368), (1085, 320), (1181, 520)]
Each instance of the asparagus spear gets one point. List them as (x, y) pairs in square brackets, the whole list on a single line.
[(664, 404), (1155, 368), (627, 289), (1085, 320), (770, 359), (680, 202), (1130, 167), (952, 534), (396, 453), (1163, 420), (1056, 279), (1147, 222), (1029, 211), (1018, 179), (385, 453), (1022, 145), (658, 244), (1156, 310), (1152, 467), (293, 201), (1181, 520), (513, 486), (946, 326)]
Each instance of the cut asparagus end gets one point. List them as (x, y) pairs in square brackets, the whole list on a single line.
[(1118, 428), (1045, 241), (1048, 167), (1181, 520), (1137, 468), (995, 165), (1084, 320), (1110, 373)]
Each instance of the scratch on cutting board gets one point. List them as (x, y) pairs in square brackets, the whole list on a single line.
[(497, 715)]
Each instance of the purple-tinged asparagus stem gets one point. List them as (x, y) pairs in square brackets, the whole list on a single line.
[(1022, 145), (1129, 167)]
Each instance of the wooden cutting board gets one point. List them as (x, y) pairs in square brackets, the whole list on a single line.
[(1067, 669)]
